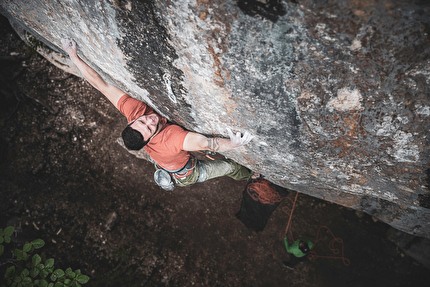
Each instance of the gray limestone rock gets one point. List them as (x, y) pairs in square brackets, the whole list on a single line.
[(336, 92)]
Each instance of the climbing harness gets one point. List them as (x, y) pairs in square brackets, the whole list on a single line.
[(163, 177), (186, 170)]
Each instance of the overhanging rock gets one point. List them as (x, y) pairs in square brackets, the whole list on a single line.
[(336, 92)]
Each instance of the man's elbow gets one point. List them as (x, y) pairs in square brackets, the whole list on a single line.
[(195, 142)]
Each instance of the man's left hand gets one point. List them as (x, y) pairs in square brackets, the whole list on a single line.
[(237, 139)]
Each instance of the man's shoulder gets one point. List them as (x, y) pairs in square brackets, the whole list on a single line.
[(132, 108), (173, 132), (173, 127)]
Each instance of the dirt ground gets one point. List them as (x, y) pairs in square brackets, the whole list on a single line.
[(65, 179)]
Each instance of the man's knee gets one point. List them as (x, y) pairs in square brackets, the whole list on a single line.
[(224, 167), (241, 173), (213, 169)]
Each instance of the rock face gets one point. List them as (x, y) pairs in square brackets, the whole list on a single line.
[(336, 92)]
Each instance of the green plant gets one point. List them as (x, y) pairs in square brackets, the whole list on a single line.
[(27, 269)]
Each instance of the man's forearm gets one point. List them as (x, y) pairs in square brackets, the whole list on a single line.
[(219, 144), (195, 141), (88, 73)]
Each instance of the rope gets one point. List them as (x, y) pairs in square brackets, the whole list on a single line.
[(261, 191), (291, 214), (332, 244)]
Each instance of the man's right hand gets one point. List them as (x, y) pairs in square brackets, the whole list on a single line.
[(69, 46), (112, 93)]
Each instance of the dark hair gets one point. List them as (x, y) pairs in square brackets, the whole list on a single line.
[(304, 247), (133, 140)]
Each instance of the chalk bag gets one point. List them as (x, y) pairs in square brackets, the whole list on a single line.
[(163, 180)]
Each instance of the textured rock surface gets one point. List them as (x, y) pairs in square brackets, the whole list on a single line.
[(336, 92)]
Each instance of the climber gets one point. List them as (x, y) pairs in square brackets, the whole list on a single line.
[(168, 145), (299, 250)]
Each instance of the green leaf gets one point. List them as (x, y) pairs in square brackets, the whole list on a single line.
[(58, 284), (10, 271), (70, 273), (17, 279), (59, 273), (53, 277), (1, 239), (38, 243), (43, 283), (50, 270), (67, 282), (1, 250), (51, 284), (44, 273), (27, 280), (34, 272), (27, 247), (49, 262), (19, 254), (36, 260), (8, 231), (82, 278), (25, 272)]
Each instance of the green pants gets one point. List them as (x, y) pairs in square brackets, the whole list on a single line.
[(208, 169)]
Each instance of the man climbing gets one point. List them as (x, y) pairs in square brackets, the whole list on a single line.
[(167, 144)]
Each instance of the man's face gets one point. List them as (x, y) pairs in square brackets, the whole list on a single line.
[(147, 125)]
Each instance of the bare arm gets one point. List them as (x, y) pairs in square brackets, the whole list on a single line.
[(112, 93), (196, 142)]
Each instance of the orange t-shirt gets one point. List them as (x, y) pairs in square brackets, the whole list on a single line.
[(166, 147)]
